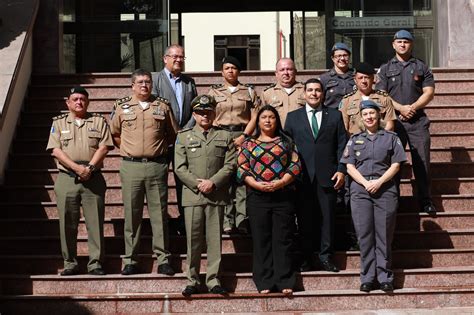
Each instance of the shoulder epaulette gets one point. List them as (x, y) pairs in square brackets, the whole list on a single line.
[(270, 86), (380, 92), (248, 85), (60, 116), (184, 130), (217, 86), (123, 100), (98, 115), (350, 94), (163, 100)]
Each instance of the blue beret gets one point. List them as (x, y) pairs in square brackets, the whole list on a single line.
[(340, 46), (78, 90), (369, 104), (402, 34)]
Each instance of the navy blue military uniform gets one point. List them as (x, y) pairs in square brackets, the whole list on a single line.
[(374, 215), (404, 82), (336, 85)]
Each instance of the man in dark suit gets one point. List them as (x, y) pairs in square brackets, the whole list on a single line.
[(179, 89), (320, 137)]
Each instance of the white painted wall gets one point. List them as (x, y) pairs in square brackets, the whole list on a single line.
[(199, 30)]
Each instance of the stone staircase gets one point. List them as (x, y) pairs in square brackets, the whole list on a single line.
[(433, 256)]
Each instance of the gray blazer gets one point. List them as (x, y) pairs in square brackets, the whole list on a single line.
[(162, 88)]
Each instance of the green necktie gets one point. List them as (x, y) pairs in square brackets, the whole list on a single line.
[(314, 124)]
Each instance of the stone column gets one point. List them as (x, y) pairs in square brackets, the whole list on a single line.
[(455, 25)]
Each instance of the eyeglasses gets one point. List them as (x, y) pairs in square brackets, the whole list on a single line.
[(176, 57), (142, 82), (344, 56)]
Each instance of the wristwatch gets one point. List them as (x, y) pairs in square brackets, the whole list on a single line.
[(91, 167)]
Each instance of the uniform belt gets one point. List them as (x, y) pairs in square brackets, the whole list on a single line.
[(233, 127), (160, 158), (371, 177)]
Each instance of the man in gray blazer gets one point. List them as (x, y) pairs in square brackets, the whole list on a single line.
[(179, 89)]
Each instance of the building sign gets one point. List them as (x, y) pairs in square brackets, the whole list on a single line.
[(372, 22)]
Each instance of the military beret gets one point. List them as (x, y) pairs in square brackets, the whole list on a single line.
[(403, 34), (232, 60), (203, 102), (340, 46), (78, 90), (365, 68), (369, 104)]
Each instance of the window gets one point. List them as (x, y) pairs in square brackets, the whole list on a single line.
[(246, 48)]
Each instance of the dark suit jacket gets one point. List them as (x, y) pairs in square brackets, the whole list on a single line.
[(162, 88), (320, 156)]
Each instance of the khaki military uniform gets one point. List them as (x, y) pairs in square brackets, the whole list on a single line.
[(212, 158), (80, 142), (283, 101), (233, 113), (350, 108), (145, 135)]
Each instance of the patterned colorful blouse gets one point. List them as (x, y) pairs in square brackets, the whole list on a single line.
[(267, 161)]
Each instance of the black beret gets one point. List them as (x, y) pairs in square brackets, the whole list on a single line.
[(365, 68), (232, 60), (78, 90), (369, 104), (203, 102)]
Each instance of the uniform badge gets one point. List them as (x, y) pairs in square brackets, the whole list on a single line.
[(52, 129), (126, 111), (359, 142), (357, 153), (331, 90), (393, 79), (346, 152), (125, 106), (193, 150), (65, 131), (158, 113), (92, 129)]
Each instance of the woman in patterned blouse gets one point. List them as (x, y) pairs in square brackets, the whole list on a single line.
[(268, 163)]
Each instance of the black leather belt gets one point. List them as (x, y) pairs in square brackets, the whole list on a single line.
[(160, 158), (233, 127), (371, 177)]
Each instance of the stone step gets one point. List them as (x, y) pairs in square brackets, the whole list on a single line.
[(234, 282), (48, 175), (113, 226), (50, 245), (240, 262), (245, 302), (445, 111), (453, 139), (450, 124), (41, 209), (40, 193)]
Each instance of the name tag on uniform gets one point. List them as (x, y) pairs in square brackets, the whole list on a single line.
[(65, 131), (359, 142)]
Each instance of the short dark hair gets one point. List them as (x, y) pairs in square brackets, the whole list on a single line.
[(140, 72), (312, 80)]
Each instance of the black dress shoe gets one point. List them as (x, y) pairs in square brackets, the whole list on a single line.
[(366, 287), (97, 272), (386, 286), (69, 272), (329, 266), (165, 269), (307, 265), (189, 290), (218, 290), (130, 270), (429, 208)]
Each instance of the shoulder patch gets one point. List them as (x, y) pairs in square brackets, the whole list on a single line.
[(60, 116), (184, 130), (217, 86), (350, 94), (270, 86), (380, 92)]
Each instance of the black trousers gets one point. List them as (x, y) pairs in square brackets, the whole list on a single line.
[(316, 216), (272, 221)]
